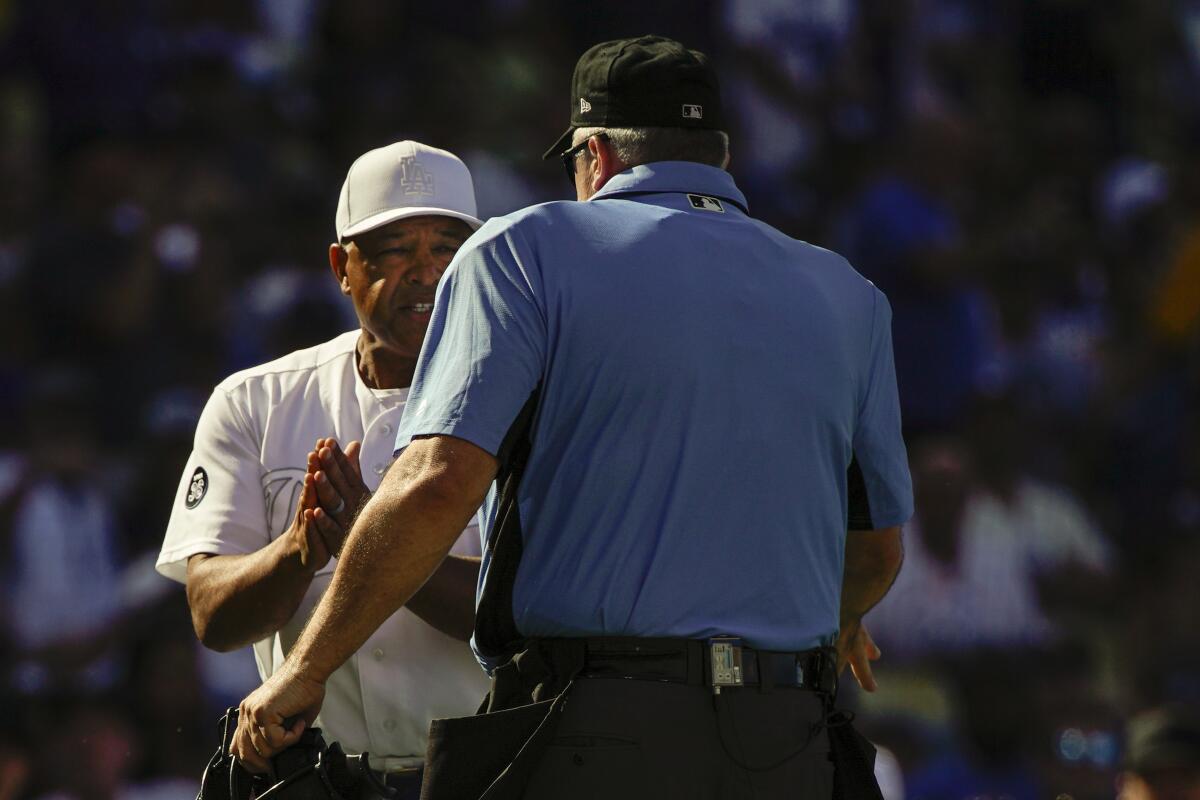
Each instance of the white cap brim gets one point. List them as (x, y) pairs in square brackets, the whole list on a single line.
[(392, 214)]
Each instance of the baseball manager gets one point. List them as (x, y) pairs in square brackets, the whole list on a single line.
[(686, 410), (260, 510)]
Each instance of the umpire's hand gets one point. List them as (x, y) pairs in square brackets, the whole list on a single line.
[(856, 649), (272, 718)]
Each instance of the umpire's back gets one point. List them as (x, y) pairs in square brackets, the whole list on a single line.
[(715, 405), (705, 383)]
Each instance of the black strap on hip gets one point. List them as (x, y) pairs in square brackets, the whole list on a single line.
[(496, 634), (858, 512)]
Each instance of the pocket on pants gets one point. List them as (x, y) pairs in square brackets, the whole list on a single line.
[(587, 767), (466, 754)]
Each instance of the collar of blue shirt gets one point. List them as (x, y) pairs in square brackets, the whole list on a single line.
[(674, 176)]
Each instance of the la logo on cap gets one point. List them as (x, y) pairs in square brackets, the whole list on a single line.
[(693, 112), (413, 177), (584, 106)]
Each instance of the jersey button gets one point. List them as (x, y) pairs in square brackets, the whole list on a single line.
[(379, 468), (378, 654), (386, 429)]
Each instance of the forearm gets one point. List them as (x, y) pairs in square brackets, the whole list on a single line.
[(873, 560), (447, 600), (236, 600), (398, 541)]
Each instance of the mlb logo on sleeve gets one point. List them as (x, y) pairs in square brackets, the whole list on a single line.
[(705, 203), (693, 112)]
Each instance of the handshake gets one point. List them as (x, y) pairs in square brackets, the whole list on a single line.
[(332, 495)]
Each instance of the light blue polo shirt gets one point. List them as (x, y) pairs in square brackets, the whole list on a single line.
[(705, 381)]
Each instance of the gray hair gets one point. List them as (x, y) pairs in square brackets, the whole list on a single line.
[(637, 146)]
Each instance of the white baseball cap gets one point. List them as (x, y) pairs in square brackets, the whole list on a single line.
[(405, 179)]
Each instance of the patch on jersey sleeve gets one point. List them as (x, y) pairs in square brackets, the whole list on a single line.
[(197, 488)]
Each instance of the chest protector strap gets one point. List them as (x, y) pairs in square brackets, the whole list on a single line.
[(496, 634)]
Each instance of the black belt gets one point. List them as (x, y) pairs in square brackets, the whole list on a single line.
[(400, 784), (690, 661), (401, 778)]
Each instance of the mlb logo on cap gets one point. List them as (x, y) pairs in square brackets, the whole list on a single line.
[(693, 112)]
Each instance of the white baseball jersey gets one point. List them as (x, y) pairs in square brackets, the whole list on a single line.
[(239, 492)]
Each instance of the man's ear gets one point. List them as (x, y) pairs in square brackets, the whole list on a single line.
[(605, 163), (337, 265)]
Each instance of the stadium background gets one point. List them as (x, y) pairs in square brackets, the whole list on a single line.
[(1020, 177)]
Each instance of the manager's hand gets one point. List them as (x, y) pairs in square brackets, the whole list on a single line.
[(272, 718), (337, 481)]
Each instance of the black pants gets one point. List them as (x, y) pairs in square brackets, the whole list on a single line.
[(647, 739)]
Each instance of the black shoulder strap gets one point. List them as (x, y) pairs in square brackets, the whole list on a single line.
[(858, 517), (496, 634)]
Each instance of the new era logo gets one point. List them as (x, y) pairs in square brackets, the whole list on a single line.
[(584, 106), (413, 177), (705, 203), (693, 112)]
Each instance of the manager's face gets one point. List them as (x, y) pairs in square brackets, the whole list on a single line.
[(391, 273)]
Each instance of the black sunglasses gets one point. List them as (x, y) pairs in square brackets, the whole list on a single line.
[(568, 156)]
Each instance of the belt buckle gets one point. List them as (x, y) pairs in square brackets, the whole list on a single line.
[(821, 668), (725, 662)]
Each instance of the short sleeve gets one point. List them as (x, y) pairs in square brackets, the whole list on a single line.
[(486, 347), (885, 492), (219, 506)]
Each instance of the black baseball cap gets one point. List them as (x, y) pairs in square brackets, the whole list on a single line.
[(648, 81)]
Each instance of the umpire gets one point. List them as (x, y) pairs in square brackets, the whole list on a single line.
[(675, 413)]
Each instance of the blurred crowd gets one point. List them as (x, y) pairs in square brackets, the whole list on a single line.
[(1021, 177)]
